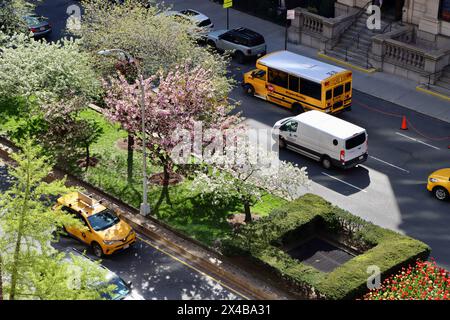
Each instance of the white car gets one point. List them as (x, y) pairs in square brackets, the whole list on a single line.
[(202, 23)]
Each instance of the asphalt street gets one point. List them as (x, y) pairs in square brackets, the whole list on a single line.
[(156, 273), (389, 189)]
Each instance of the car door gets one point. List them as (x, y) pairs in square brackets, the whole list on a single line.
[(259, 80), (226, 42), (289, 131)]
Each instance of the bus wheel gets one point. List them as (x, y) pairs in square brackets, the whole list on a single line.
[(326, 162), (249, 90), (297, 109)]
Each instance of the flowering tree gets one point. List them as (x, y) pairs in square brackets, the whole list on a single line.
[(11, 12), (160, 41), (183, 98), (423, 281), (248, 172), (46, 71)]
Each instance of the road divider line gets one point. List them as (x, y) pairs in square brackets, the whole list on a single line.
[(192, 267), (417, 140), (389, 164), (349, 184)]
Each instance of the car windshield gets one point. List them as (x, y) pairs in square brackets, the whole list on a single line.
[(121, 289), (103, 220), (32, 20)]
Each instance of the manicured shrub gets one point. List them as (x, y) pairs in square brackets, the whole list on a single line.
[(262, 241)]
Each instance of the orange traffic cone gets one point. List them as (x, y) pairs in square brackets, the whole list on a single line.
[(404, 124)]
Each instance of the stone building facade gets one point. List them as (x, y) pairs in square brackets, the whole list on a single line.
[(413, 41)]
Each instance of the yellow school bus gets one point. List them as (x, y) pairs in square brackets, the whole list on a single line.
[(300, 83)]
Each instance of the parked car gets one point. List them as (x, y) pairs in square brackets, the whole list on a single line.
[(324, 138), (202, 23), (102, 229), (38, 25), (242, 42), (439, 184), (122, 291)]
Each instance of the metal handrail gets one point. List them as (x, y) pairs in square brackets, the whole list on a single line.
[(357, 16), (430, 75)]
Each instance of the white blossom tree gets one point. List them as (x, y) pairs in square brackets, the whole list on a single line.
[(245, 171)]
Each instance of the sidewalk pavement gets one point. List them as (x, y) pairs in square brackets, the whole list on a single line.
[(382, 85)]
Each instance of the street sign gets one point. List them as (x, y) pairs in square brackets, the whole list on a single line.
[(227, 4), (290, 14)]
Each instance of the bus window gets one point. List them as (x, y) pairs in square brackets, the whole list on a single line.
[(348, 86), (293, 83), (338, 91), (311, 89), (278, 78), (328, 95)]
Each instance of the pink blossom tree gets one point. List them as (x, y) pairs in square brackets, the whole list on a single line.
[(174, 103)]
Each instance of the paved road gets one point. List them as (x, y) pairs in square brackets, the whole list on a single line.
[(156, 272), (389, 189)]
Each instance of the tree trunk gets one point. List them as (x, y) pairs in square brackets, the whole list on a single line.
[(1, 279), (88, 157), (15, 264), (248, 214), (166, 181), (130, 159)]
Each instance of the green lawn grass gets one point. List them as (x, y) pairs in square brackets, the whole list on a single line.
[(187, 212)]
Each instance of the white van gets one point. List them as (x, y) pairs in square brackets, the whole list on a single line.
[(323, 137)]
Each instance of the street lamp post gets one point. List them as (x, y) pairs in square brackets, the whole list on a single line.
[(145, 207)]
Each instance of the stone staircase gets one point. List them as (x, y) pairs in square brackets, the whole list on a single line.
[(443, 83), (355, 43)]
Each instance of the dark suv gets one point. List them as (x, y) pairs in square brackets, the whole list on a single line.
[(242, 42)]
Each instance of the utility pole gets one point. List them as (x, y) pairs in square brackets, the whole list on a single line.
[(227, 4)]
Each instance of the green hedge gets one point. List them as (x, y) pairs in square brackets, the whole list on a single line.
[(388, 250)]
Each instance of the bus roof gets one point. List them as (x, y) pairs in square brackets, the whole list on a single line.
[(329, 124), (300, 66)]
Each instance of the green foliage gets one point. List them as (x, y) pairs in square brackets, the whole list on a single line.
[(11, 12), (29, 266), (157, 40), (384, 248), (48, 71)]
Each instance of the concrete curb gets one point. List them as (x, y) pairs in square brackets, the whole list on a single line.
[(200, 256), (344, 63), (436, 94)]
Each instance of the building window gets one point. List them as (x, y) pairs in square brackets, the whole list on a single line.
[(444, 10)]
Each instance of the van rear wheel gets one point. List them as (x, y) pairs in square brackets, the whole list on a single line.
[(326, 162)]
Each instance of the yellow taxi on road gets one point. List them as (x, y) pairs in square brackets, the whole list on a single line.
[(104, 231), (439, 184)]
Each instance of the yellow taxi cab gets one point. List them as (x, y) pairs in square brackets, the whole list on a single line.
[(439, 184), (103, 230)]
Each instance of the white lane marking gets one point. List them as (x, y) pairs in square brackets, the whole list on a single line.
[(416, 140), (389, 164), (349, 184)]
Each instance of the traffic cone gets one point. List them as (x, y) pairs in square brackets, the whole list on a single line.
[(404, 124)]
